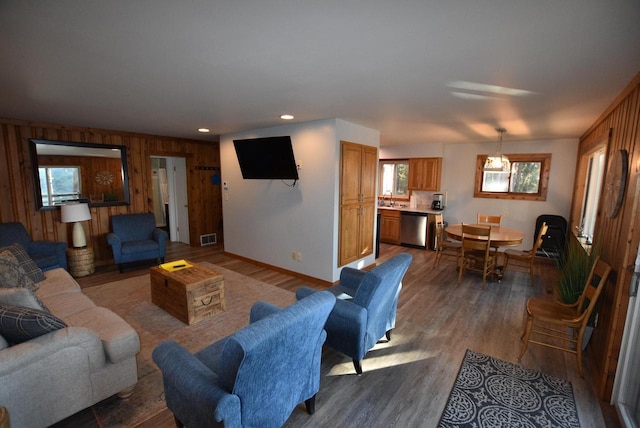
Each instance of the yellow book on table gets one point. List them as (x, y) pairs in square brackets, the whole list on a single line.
[(174, 266)]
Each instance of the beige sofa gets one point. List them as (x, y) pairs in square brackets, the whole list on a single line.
[(51, 377)]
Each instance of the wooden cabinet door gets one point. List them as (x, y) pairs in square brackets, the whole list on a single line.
[(416, 173), (348, 244), (432, 172), (351, 160), (424, 174), (368, 172), (390, 227), (366, 224)]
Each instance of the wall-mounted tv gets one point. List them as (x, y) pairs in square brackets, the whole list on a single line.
[(266, 158)]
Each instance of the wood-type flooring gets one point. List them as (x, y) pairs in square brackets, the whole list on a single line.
[(406, 381)]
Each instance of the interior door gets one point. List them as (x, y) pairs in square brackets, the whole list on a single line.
[(169, 179), (180, 201)]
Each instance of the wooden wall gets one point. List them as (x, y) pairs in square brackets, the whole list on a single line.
[(17, 186), (617, 237)]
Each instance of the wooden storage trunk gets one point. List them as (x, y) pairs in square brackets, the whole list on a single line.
[(191, 294)]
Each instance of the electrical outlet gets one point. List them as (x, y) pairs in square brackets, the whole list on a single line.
[(297, 256)]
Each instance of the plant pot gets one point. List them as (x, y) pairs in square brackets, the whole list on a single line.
[(585, 339)]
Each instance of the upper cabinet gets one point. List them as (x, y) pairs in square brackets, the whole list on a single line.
[(424, 173)]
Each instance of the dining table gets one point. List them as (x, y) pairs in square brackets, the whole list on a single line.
[(500, 236)]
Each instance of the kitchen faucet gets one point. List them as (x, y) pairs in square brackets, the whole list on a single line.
[(390, 197)]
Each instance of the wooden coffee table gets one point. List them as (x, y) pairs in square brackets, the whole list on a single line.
[(191, 294)]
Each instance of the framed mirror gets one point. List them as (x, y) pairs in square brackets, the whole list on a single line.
[(86, 172)]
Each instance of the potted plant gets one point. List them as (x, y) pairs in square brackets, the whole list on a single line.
[(574, 268)]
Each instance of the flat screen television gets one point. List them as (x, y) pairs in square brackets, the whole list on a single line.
[(266, 158)]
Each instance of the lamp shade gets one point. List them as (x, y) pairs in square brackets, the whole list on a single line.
[(70, 213), (75, 213), (498, 162)]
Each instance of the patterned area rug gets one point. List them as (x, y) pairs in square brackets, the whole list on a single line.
[(131, 299), (489, 392)]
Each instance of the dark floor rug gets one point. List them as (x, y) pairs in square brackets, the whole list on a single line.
[(131, 299), (489, 392)]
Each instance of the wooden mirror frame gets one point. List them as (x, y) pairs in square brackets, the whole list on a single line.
[(93, 146)]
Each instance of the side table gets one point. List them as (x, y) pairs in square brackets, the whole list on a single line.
[(80, 261)]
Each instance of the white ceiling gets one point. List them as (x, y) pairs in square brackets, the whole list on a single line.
[(420, 71)]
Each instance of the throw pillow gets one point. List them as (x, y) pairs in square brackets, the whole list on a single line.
[(12, 274), (27, 263), (22, 297), (18, 324), (3, 343)]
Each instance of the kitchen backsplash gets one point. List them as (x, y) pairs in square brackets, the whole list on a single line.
[(420, 197)]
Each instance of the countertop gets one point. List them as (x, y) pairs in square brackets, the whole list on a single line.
[(425, 209)]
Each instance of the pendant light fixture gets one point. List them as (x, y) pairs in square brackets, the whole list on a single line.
[(498, 162)]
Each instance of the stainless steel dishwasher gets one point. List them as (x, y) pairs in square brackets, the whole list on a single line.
[(413, 229)]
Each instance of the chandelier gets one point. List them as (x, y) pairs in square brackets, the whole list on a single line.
[(498, 162)]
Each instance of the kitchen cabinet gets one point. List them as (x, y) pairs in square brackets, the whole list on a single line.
[(424, 174), (358, 168), (390, 226)]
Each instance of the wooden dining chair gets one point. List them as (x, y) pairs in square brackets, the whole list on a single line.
[(493, 220), (475, 251), (525, 259), (554, 322), (443, 246)]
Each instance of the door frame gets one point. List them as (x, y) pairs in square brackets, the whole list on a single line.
[(176, 213)]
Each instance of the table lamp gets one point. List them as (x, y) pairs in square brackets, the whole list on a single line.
[(75, 213)]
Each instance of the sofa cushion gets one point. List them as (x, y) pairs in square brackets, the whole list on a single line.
[(12, 274), (18, 324), (134, 247), (66, 304), (27, 263), (19, 296), (57, 281), (119, 340)]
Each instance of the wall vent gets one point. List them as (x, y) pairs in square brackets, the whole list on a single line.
[(208, 239)]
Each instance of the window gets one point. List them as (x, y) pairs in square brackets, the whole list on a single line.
[(593, 184), (528, 179), (394, 178), (59, 184)]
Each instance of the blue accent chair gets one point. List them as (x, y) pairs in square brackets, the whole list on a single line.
[(135, 237), (47, 255), (256, 376), (366, 307)]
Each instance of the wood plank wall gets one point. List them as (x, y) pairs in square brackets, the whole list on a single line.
[(17, 184), (617, 237)]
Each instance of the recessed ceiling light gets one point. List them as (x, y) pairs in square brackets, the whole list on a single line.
[(286, 117), (204, 130)]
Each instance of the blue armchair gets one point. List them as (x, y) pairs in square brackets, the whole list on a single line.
[(255, 377), (135, 237), (366, 307), (47, 255)]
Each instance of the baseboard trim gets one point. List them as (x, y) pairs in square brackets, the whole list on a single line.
[(311, 279)]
